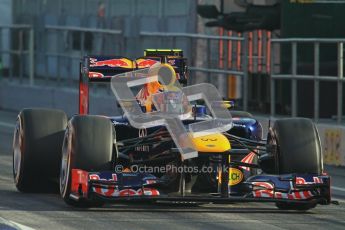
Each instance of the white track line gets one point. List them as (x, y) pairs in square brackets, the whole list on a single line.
[(12, 224), (338, 188), (21, 227), (7, 125)]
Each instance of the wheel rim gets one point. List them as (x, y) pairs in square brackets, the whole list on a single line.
[(17, 151), (65, 164)]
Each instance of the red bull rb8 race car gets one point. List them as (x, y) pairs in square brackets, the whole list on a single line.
[(97, 159)]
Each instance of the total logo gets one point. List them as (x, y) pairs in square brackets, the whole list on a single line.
[(235, 176)]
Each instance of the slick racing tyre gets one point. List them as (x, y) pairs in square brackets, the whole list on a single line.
[(87, 145), (298, 150), (37, 146)]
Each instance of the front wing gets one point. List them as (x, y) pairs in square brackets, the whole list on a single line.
[(110, 186)]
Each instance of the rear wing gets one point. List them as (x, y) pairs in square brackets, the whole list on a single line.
[(102, 68)]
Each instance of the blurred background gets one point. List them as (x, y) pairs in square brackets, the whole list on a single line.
[(272, 57)]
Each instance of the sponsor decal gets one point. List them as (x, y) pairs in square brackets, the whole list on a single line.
[(121, 62), (235, 176), (115, 192), (95, 75), (142, 132), (302, 195), (302, 181), (145, 63), (96, 177), (266, 190), (263, 189), (107, 192), (142, 148)]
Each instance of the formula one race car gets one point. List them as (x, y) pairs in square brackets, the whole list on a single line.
[(98, 159)]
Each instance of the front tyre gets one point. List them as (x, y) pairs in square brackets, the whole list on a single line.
[(297, 150), (298, 146), (87, 145)]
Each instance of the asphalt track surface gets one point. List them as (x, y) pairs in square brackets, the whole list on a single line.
[(48, 211)]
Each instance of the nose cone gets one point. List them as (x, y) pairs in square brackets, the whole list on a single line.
[(214, 143)]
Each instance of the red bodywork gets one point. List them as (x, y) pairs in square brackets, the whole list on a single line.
[(79, 181), (82, 183)]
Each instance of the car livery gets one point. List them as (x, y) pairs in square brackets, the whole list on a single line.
[(94, 156)]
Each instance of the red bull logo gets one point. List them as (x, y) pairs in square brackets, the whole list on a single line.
[(122, 62), (146, 63)]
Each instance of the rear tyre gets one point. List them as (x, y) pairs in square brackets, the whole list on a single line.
[(88, 145), (37, 146), (298, 150)]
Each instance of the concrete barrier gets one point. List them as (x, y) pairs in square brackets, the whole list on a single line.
[(333, 144), (16, 97)]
